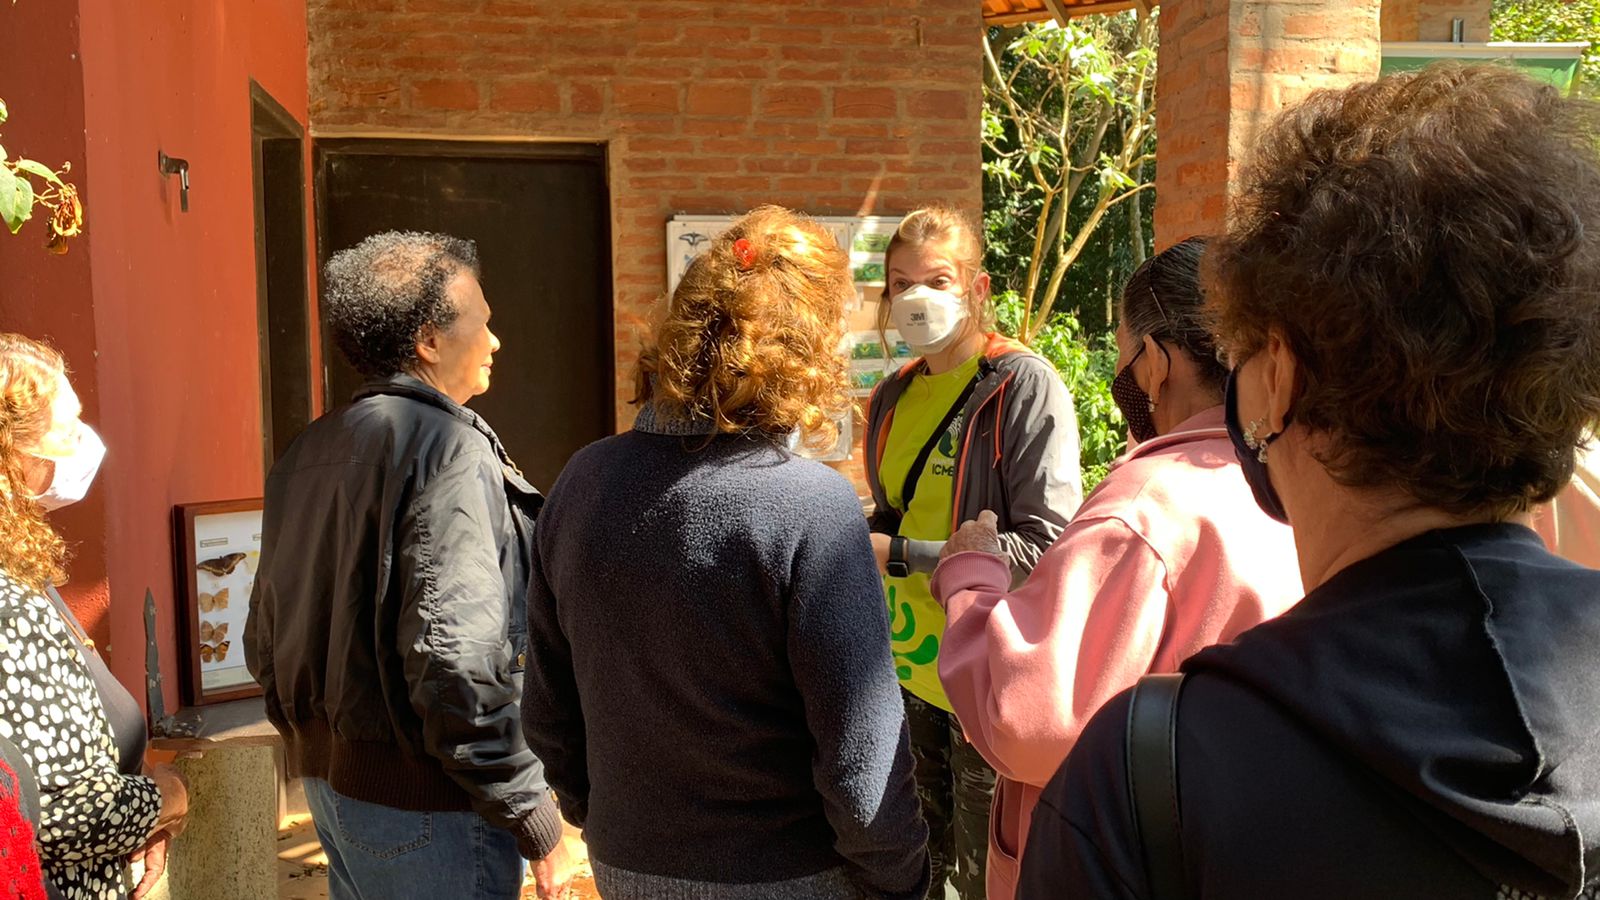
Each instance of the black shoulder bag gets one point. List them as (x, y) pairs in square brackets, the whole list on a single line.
[(1152, 751)]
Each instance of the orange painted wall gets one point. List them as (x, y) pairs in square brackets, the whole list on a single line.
[(46, 296), (174, 294)]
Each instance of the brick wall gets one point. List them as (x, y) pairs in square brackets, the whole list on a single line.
[(1430, 20), (831, 106), (1282, 50), (1192, 113), (1227, 68), (1399, 20)]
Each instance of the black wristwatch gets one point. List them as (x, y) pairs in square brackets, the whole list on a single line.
[(898, 566)]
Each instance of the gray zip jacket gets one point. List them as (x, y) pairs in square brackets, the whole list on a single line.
[(1018, 455)]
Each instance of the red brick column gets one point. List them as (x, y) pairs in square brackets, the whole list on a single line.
[(1227, 67)]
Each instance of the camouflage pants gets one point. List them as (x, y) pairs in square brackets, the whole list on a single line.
[(956, 787)]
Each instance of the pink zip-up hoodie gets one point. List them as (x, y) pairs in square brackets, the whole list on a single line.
[(1168, 555)]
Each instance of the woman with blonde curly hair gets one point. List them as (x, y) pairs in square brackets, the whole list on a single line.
[(713, 695), (80, 731)]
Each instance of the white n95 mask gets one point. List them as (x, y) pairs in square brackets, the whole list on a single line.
[(927, 318), (75, 468)]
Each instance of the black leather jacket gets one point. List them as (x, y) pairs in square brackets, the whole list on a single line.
[(387, 621)]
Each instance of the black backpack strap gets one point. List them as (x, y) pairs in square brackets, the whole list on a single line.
[(1153, 782), (915, 473)]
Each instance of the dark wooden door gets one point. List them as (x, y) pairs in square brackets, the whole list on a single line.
[(540, 215), (283, 311)]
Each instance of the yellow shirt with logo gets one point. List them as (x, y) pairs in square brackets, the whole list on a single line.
[(916, 621)]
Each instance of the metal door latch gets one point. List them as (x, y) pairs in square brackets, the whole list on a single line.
[(172, 165)]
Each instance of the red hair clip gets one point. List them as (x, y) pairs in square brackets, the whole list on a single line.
[(744, 253)]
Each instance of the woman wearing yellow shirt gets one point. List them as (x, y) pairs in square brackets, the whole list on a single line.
[(977, 422)]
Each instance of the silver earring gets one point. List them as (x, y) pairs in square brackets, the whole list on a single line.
[(1250, 430), (1254, 443)]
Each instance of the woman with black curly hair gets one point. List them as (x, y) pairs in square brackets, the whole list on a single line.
[(1409, 291), (386, 622)]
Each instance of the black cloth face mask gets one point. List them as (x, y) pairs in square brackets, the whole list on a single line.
[(1252, 453), (1137, 407)]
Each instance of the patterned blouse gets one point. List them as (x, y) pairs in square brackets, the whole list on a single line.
[(91, 815)]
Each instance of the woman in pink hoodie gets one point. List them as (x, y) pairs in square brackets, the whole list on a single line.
[(1168, 555)]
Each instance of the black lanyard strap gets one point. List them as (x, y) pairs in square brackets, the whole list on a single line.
[(915, 473)]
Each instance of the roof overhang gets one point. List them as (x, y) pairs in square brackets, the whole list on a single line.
[(1012, 12)]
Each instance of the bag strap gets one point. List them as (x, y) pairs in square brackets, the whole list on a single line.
[(915, 474), (1153, 782)]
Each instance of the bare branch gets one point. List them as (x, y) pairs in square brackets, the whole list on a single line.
[(1123, 196)]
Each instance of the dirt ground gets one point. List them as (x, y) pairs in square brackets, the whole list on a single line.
[(303, 869)]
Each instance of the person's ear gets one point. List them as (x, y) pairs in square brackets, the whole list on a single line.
[(428, 351), (980, 289), (1282, 369), (1156, 367)]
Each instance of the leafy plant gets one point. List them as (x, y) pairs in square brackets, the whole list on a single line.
[(1553, 20), (1087, 365), (26, 184), (1069, 136)]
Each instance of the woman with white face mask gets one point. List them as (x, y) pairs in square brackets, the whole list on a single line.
[(977, 422), (80, 731)]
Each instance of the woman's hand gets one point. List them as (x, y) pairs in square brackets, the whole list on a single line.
[(170, 822), (981, 534), (174, 790), (880, 549), (154, 856)]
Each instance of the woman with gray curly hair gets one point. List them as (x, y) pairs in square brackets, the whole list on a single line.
[(386, 623), (1409, 292)]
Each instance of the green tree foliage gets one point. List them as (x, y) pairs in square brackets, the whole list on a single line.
[(1069, 150), (1069, 162), (1087, 364), (1554, 20), (26, 185)]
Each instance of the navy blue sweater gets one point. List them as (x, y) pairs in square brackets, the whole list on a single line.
[(710, 684)]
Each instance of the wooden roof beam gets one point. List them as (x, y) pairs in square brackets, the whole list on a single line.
[(1062, 10), (1017, 18), (1058, 8)]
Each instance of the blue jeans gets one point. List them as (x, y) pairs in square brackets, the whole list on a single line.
[(378, 852)]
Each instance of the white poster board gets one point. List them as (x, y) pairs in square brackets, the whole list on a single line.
[(688, 236), (228, 549), (869, 364)]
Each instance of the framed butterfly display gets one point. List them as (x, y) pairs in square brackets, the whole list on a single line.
[(219, 548)]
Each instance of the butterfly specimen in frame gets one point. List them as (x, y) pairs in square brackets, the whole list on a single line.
[(221, 566)]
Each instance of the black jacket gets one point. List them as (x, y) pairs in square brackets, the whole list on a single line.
[(387, 621), (1425, 724)]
